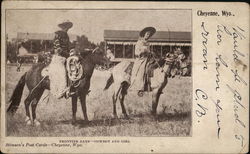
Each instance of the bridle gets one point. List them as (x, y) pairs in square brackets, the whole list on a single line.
[(168, 61)]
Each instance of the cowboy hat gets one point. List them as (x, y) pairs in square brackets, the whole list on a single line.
[(152, 30), (65, 24)]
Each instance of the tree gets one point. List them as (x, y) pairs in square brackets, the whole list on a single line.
[(11, 51), (83, 43), (102, 45)]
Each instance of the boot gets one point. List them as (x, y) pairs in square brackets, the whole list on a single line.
[(69, 93)]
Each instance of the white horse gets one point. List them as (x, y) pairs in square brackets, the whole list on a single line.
[(122, 81)]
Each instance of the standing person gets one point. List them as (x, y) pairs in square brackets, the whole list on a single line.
[(110, 55), (19, 64), (57, 70), (142, 52), (180, 55)]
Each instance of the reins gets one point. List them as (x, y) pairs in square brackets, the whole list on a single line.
[(37, 85), (158, 63), (161, 67)]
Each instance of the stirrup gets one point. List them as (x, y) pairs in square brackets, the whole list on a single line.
[(69, 94), (64, 93), (140, 93)]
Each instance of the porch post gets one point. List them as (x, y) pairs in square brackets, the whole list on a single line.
[(105, 46), (161, 49), (30, 45), (114, 50), (123, 50), (133, 50), (45, 46)]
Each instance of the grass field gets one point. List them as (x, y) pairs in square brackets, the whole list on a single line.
[(174, 112)]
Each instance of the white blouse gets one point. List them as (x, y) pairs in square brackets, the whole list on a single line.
[(141, 46)]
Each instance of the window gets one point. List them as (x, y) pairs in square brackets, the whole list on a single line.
[(165, 50), (128, 51), (118, 51), (186, 50), (157, 50), (46, 45), (111, 47), (35, 46)]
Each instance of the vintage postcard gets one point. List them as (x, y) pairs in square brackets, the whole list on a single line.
[(124, 77)]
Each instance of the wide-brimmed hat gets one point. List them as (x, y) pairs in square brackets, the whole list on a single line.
[(65, 24), (152, 30)]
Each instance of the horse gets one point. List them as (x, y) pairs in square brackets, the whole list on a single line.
[(122, 82), (37, 84)]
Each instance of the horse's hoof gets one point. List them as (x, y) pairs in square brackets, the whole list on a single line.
[(73, 122), (27, 119), (153, 113), (115, 117), (87, 121), (116, 120), (28, 122), (37, 123), (126, 117)]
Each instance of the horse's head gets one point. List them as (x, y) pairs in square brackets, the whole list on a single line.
[(99, 57), (167, 65), (171, 66)]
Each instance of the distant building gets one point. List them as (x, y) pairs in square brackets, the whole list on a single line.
[(122, 42), (41, 36), (30, 44), (39, 41)]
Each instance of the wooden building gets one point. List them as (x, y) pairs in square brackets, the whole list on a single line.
[(30, 44), (39, 41), (122, 43)]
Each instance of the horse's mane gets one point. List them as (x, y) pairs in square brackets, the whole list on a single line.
[(158, 62), (85, 53), (38, 65), (161, 62)]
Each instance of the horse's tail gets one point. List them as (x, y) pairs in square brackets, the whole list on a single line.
[(16, 96), (109, 82)]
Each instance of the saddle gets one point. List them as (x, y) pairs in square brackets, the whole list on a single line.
[(148, 74), (128, 70), (149, 69), (73, 67)]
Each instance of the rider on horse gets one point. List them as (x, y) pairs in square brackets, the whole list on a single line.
[(57, 75), (142, 54)]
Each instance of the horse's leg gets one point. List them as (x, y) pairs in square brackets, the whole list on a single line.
[(34, 105), (27, 102), (33, 111), (114, 106), (156, 96), (74, 109), (121, 98), (84, 108), (123, 107)]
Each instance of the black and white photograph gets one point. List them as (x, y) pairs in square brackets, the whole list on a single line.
[(124, 77), (98, 72)]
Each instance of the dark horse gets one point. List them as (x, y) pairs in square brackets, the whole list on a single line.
[(37, 84)]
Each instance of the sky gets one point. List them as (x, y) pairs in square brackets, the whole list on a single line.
[(92, 23)]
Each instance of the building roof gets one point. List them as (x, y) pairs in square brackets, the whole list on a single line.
[(125, 35), (40, 36)]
